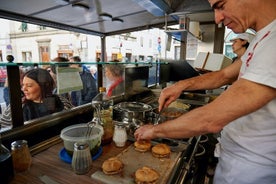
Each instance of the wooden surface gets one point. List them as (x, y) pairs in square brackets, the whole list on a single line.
[(47, 164)]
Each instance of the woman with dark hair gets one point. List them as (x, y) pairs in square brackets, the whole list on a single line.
[(39, 101)]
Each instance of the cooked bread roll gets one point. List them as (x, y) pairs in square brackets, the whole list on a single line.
[(142, 146), (161, 150), (146, 175), (112, 166)]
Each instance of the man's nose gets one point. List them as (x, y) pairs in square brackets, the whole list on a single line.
[(219, 17)]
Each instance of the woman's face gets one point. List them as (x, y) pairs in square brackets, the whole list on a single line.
[(31, 90), (237, 45), (109, 74)]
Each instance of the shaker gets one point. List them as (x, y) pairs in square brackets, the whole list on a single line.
[(120, 135), (81, 161), (21, 156)]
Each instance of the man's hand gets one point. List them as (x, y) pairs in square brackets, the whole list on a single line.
[(168, 95), (145, 132)]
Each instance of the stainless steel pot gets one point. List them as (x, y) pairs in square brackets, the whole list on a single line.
[(127, 111)]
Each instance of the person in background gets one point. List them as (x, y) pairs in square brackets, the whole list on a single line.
[(114, 74), (37, 86), (6, 93), (93, 71), (240, 44), (246, 112), (89, 90), (38, 99)]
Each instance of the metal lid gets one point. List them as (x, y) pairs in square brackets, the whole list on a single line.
[(18, 144), (133, 106), (120, 124)]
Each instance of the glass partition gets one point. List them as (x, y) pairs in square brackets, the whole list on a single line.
[(51, 79)]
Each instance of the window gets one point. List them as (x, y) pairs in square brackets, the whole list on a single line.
[(44, 54), (128, 56), (114, 56), (141, 41), (41, 27), (27, 56)]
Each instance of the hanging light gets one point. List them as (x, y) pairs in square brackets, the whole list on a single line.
[(81, 5), (116, 19), (62, 2), (105, 16)]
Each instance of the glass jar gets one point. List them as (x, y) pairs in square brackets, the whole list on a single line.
[(120, 135), (81, 161), (21, 156), (103, 114)]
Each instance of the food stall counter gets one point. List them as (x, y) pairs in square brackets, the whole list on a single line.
[(47, 167)]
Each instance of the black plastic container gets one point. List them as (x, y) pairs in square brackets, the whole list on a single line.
[(6, 166)]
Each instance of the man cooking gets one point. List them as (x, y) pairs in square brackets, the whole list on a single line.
[(246, 112)]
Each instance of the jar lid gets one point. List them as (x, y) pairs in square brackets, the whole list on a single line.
[(18, 143)]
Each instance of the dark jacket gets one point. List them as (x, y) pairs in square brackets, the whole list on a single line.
[(6, 119), (88, 92), (32, 110)]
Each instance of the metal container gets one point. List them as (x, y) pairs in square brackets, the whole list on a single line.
[(167, 114), (127, 111)]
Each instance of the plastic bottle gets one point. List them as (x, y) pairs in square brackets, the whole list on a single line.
[(6, 166), (103, 114)]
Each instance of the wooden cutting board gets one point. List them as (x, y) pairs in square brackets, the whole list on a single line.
[(133, 160)]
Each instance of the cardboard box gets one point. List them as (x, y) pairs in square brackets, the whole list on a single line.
[(206, 61)]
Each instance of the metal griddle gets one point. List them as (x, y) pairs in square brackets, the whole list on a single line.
[(133, 160)]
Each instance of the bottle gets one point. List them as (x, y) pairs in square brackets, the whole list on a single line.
[(81, 161), (21, 156), (103, 114), (6, 166), (120, 135)]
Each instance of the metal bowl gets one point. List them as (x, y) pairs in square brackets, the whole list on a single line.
[(126, 111)]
